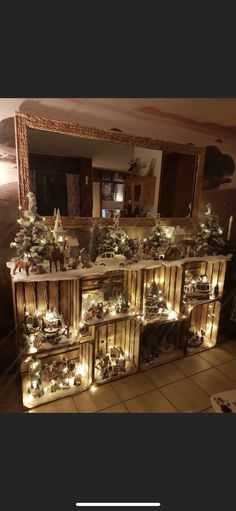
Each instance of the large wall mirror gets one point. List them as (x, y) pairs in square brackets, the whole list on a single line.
[(89, 173)]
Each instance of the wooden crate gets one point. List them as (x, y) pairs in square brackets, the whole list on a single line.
[(162, 342), (82, 355), (124, 334), (169, 281), (205, 317)]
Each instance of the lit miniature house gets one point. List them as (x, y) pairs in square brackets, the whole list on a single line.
[(58, 231)]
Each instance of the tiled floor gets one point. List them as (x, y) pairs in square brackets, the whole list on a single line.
[(182, 386)]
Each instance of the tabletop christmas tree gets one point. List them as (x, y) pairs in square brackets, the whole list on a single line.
[(209, 238), (155, 302), (95, 242), (115, 239), (158, 240), (31, 241)]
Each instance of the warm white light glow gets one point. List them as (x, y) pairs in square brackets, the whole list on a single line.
[(49, 316), (93, 388), (33, 349), (80, 370), (172, 315)]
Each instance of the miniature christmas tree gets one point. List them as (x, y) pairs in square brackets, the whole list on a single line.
[(209, 233), (95, 242), (115, 239), (123, 302), (158, 239), (109, 291), (32, 240), (155, 303)]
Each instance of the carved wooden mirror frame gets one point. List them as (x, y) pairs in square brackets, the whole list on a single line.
[(24, 121)]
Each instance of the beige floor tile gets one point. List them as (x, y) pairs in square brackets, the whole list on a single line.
[(65, 405), (216, 356), (229, 369), (213, 381), (165, 374), (230, 346), (192, 365), (90, 402), (120, 408), (152, 402), (186, 396), (132, 386)]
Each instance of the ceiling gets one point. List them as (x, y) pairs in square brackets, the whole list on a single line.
[(216, 111)]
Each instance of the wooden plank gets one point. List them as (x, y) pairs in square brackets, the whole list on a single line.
[(131, 340), (123, 334), (221, 280), (138, 289), (136, 342), (167, 283), (198, 317), (172, 286), (129, 285), (216, 319), (65, 300), (119, 333), (53, 294), (133, 287), (20, 300), (127, 337), (203, 267), (178, 289), (209, 270), (193, 319), (162, 271), (42, 296), (204, 312), (30, 297)]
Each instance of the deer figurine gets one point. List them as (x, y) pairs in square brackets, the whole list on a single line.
[(56, 254), (23, 265)]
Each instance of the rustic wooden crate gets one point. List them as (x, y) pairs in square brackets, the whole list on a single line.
[(82, 354), (123, 334), (169, 281)]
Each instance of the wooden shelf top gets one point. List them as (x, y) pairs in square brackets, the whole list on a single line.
[(194, 303), (112, 318), (55, 349)]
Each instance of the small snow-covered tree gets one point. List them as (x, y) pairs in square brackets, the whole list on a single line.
[(158, 238), (32, 239), (95, 242), (115, 239), (209, 233)]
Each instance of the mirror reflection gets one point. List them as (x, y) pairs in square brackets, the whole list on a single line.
[(94, 178)]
